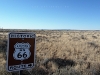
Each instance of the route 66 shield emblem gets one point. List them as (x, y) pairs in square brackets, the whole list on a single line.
[(22, 51)]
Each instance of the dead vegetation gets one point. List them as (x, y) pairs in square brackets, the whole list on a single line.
[(62, 53)]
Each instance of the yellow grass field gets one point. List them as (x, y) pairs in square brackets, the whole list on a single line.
[(61, 52)]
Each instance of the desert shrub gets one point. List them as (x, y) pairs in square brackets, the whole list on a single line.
[(93, 44), (83, 37), (3, 72), (58, 63), (39, 71), (75, 38), (66, 71), (94, 37)]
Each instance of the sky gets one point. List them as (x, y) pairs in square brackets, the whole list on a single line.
[(50, 14)]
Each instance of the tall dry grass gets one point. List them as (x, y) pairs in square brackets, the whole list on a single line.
[(64, 53)]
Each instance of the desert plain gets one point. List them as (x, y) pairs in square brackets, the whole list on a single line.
[(60, 52)]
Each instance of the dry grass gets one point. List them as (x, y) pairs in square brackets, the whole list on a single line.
[(63, 53)]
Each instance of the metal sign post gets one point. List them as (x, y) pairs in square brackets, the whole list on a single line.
[(20, 51), (20, 72)]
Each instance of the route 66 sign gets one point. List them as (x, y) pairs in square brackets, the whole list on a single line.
[(20, 51)]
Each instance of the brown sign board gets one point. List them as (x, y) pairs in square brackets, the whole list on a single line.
[(20, 51)]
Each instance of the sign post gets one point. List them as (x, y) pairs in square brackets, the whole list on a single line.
[(21, 72), (20, 51)]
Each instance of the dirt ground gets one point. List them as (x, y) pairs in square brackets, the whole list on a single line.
[(61, 52)]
